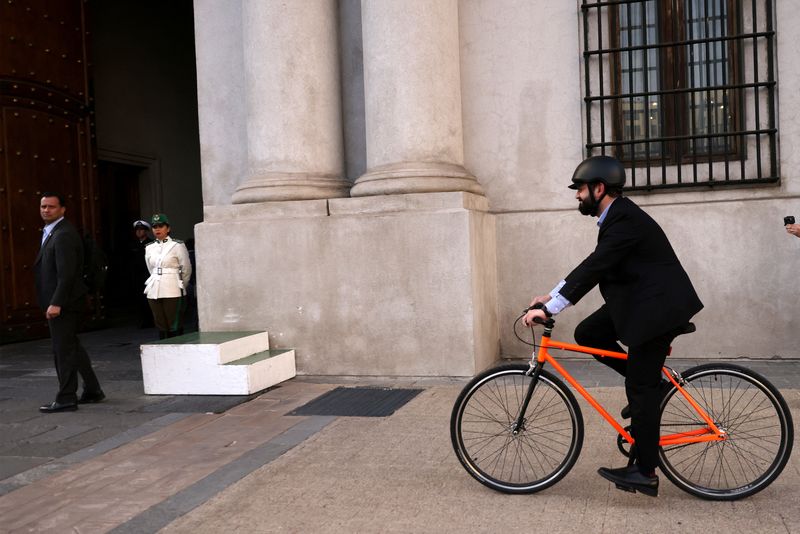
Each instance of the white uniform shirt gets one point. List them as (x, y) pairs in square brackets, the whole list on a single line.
[(170, 269)]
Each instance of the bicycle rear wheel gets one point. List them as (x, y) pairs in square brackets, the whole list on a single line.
[(544, 449), (753, 414)]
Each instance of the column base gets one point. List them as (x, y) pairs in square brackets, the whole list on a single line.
[(265, 187), (416, 177), (395, 285)]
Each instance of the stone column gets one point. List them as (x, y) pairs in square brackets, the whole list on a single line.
[(412, 86), (293, 100)]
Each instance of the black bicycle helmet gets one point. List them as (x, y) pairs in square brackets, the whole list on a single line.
[(599, 169)]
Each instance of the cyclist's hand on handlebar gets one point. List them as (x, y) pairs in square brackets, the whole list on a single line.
[(543, 299), (534, 314), (537, 302)]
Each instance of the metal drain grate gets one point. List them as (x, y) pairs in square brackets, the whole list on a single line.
[(358, 402)]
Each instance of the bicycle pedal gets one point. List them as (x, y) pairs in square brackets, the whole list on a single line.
[(625, 488)]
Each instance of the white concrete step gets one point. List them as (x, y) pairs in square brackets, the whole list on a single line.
[(214, 363)]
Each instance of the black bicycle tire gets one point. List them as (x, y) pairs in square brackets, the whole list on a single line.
[(776, 465), (546, 379)]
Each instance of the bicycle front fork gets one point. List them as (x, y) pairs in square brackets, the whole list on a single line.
[(533, 372)]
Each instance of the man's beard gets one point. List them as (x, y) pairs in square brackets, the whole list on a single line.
[(588, 206)]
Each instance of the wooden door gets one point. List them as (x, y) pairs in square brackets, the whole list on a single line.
[(46, 143)]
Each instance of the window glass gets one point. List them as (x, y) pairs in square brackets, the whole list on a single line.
[(682, 91)]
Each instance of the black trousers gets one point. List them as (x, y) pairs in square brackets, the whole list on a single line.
[(168, 314), (71, 359), (642, 372)]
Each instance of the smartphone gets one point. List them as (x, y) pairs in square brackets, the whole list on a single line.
[(789, 219)]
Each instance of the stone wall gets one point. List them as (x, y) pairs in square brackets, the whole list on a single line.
[(455, 228)]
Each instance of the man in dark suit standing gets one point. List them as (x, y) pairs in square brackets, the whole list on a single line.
[(61, 293), (649, 300)]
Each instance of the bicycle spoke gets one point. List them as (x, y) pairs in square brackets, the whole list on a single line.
[(755, 441), (529, 457)]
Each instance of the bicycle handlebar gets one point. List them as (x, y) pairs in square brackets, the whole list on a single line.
[(547, 323)]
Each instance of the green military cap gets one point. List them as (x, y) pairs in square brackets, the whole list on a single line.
[(159, 218)]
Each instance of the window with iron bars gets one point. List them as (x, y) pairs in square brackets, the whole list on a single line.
[(682, 91)]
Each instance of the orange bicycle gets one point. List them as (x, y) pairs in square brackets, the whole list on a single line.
[(726, 431)]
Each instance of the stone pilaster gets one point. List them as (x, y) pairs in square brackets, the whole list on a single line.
[(293, 99), (412, 86)]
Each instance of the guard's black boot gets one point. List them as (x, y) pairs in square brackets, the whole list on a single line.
[(162, 335), (631, 479)]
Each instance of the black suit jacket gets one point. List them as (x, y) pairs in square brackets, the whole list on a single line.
[(58, 269), (646, 289)]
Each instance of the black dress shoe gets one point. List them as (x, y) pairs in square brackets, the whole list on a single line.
[(55, 407), (631, 479), (91, 398), (663, 389)]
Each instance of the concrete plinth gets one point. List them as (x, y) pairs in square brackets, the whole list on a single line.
[(214, 363), (400, 285)]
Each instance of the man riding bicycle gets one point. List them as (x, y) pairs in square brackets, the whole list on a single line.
[(649, 299)]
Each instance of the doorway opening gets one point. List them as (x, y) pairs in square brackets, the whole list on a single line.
[(120, 205)]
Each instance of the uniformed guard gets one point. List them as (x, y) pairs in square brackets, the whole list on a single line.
[(138, 271), (170, 270)]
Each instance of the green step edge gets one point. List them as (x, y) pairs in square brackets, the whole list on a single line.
[(203, 338), (259, 356)]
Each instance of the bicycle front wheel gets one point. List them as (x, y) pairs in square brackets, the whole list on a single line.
[(755, 418), (542, 451)]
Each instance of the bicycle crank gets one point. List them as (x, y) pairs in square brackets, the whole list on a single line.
[(623, 446)]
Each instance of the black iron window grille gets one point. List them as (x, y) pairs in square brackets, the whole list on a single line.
[(682, 91)]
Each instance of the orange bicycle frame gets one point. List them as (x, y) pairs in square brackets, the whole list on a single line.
[(709, 433)]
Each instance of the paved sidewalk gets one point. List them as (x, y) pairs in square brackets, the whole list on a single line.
[(400, 475), (243, 465), (31, 440), (111, 489)]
